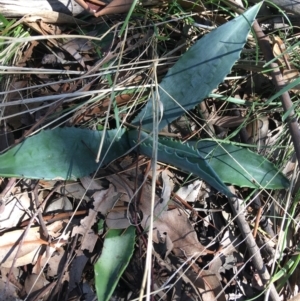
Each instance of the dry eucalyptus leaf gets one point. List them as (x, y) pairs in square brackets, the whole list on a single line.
[(9, 244), (28, 253), (174, 223), (172, 226), (118, 217), (103, 201)]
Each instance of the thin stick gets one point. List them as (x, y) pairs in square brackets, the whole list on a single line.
[(258, 216)]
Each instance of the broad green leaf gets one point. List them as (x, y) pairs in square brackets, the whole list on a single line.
[(69, 153), (116, 253), (201, 69), (62, 153), (180, 155), (240, 166)]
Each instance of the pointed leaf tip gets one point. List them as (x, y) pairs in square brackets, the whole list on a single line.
[(199, 70), (240, 166)]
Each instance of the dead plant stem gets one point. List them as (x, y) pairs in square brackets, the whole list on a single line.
[(238, 209)]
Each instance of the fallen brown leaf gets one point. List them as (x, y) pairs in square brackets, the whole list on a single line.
[(103, 201), (9, 244), (171, 226), (174, 223), (28, 253), (209, 286)]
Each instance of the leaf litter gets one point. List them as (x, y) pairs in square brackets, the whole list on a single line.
[(180, 232)]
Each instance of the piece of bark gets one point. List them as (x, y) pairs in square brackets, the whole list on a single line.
[(19, 8)]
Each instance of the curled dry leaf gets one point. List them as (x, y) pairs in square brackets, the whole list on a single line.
[(258, 130), (193, 191)]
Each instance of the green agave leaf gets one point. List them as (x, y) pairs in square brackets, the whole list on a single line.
[(240, 166), (62, 153), (179, 155), (199, 70), (117, 251)]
